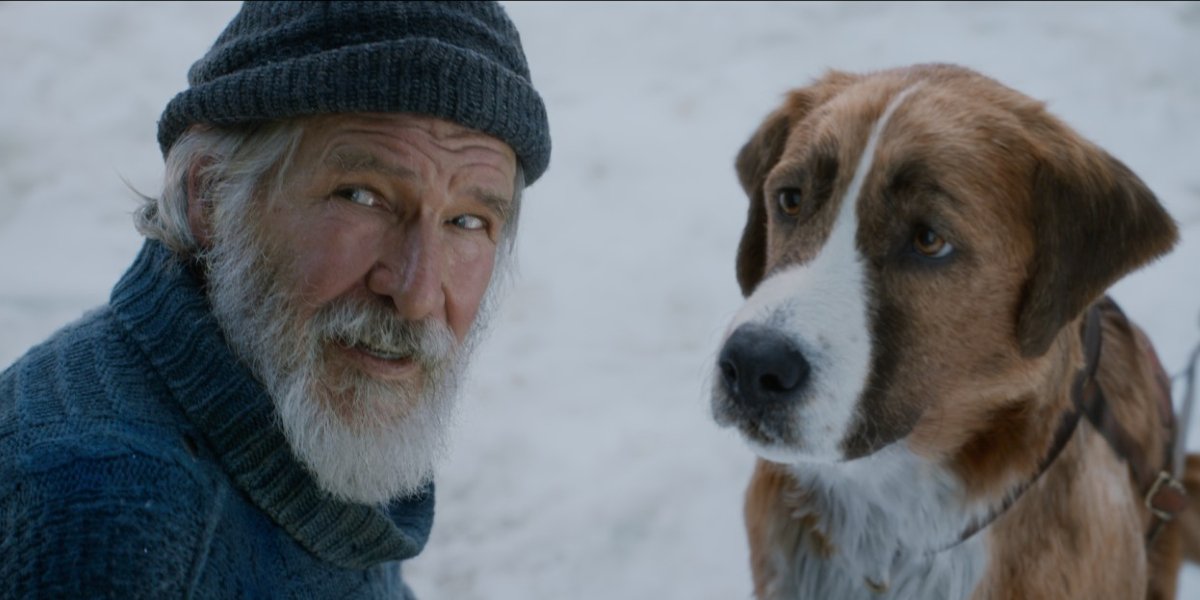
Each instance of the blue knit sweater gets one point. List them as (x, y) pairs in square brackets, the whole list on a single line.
[(139, 459)]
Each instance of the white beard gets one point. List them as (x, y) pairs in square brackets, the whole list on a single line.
[(387, 439)]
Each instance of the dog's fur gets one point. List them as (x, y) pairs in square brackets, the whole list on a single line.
[(936, 384)]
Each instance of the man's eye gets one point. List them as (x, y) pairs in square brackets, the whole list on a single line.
[(358, 195), (469, 222)]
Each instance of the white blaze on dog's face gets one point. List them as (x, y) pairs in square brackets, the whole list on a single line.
[(900, 281), (816, 312)]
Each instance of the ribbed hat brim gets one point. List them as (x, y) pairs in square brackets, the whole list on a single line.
[(416, 75)]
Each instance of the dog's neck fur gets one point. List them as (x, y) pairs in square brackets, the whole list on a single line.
[(868, 529), (889, 525)]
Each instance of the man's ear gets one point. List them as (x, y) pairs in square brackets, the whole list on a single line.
[(199, 202), (1094, 222)]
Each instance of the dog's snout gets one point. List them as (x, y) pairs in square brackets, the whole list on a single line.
[(760, 365)]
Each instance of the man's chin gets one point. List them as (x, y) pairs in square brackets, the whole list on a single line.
[(370, 404), (379, 444)]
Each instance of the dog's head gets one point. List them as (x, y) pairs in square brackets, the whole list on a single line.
[(917, 243)]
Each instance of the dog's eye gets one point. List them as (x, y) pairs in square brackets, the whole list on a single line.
[(928, 242), (790, 200)]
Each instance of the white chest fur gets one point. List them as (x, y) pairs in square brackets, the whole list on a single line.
[(884, 517)]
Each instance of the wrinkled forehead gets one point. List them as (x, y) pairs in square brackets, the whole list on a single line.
[(404, 145)]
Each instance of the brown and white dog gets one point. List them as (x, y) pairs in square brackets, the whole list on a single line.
[(911, 363)]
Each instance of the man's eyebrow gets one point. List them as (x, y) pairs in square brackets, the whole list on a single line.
[(501, 206), (351, 160)]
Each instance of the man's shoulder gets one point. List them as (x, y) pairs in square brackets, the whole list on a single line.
[(83, 415), (100, 482), (88, 326), (86, 379), (105, 515), (83, 399), (70, 355), (97, 513)]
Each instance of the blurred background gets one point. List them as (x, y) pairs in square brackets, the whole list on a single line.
[(586, 464)]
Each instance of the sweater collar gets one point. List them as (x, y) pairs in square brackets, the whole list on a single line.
[(162, 305)]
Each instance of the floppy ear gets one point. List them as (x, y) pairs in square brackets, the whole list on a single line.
[(1094, 221), (754, 161), (759, 155)]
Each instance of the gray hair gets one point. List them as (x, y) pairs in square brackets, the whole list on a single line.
[(235, 166)]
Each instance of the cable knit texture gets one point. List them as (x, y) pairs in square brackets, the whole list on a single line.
[(139, 459), (461, 61)]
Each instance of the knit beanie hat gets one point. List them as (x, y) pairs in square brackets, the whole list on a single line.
[(460, 61)]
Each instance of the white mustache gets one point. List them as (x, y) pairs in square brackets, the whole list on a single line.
[(355, 323)]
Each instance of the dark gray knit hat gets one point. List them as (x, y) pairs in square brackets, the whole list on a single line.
[(460, 61)]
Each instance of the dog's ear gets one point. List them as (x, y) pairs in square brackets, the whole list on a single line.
[(754, 161), (1094, 221), (759, 155)]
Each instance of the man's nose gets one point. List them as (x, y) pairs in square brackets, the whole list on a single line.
[(410, 271)]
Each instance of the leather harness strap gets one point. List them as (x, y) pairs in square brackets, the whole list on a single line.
[(1084, 384), (1163, 494)]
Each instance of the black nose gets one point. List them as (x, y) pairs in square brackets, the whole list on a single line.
[(759, 365)]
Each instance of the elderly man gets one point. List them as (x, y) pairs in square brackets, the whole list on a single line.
[(258, 409)]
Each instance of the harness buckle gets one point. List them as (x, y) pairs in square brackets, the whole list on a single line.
[(1166, 497)]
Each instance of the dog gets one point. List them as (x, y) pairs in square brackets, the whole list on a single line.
[(943, 402)]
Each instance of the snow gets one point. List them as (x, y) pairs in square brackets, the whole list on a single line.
[(586, 464)]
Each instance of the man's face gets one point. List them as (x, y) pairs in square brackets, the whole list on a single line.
[(353, 287), (401, 210), (397, 211)]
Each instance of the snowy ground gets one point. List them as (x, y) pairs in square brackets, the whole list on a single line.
[(586, 465)]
